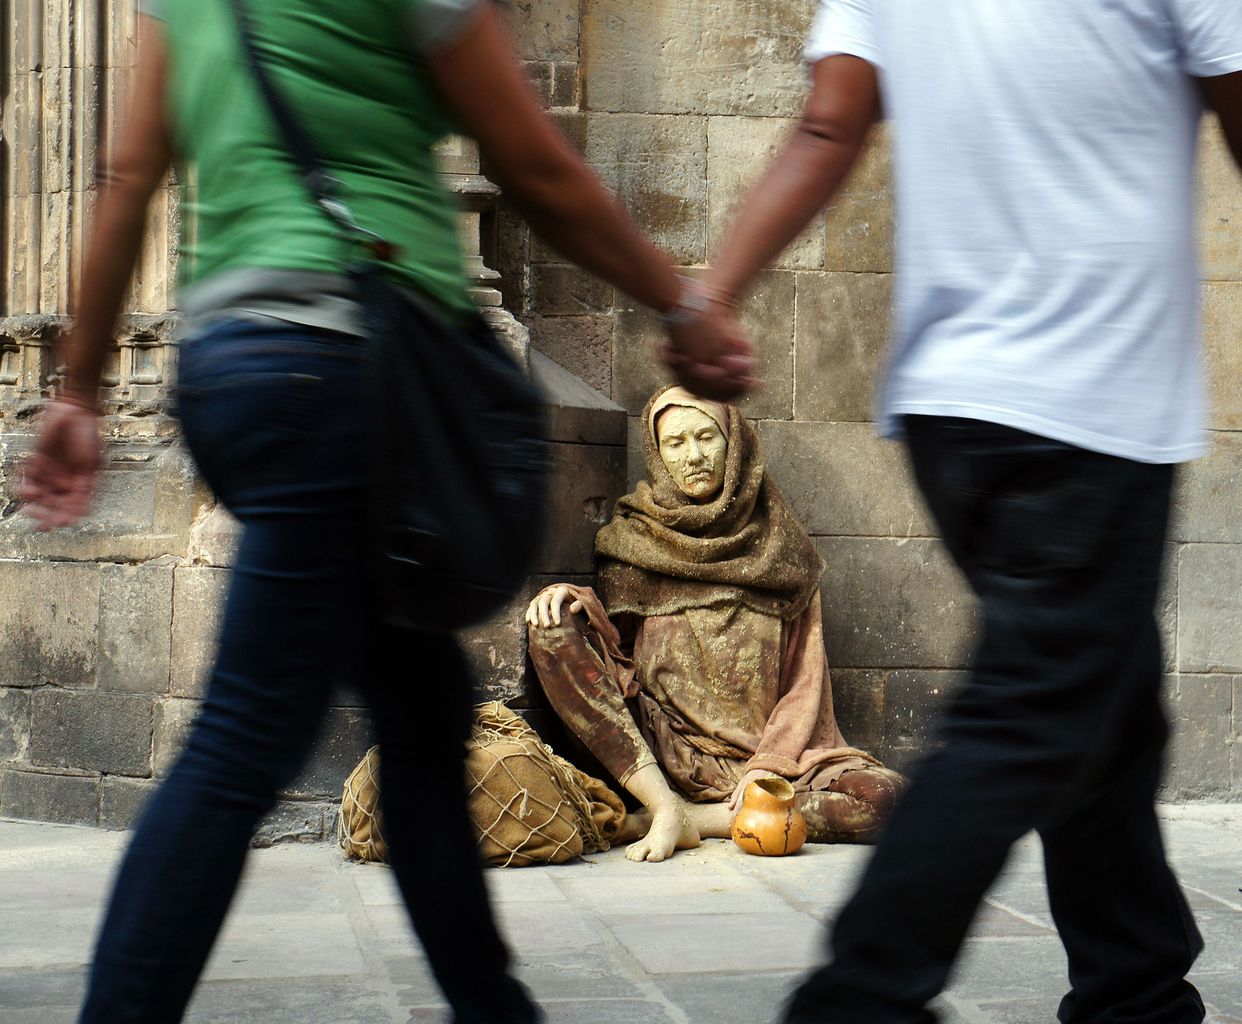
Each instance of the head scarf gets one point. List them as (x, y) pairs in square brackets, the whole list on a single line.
[(682, 398), (663, 553)]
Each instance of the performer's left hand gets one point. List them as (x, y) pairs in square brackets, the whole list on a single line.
[(735, 801)]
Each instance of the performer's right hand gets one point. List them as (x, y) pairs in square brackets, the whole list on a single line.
[(545, 609)]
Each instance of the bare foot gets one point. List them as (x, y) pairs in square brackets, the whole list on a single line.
[(670, 830), (637, 824)]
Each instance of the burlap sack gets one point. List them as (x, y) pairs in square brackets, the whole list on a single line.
[(529, 806), (358, 823)]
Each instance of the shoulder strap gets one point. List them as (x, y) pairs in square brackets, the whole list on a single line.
[(300, 146)]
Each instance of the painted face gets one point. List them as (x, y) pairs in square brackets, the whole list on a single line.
[(693, 449)]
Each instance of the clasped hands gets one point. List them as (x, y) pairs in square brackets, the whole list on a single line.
[(711, 356)]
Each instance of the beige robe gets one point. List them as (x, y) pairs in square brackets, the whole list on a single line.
[(720, 691)]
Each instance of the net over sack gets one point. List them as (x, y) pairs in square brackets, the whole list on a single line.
[(529, 806), (358, 823)]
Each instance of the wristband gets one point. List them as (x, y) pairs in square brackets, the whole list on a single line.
[(691, 306)]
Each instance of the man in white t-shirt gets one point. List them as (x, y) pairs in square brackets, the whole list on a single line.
[(1046, 376)]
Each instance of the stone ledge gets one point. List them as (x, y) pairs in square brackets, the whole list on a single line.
[(577, 413), (147, 498), (37, 796)]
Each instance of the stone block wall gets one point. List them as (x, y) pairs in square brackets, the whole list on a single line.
[(106, 631), (678, 105)]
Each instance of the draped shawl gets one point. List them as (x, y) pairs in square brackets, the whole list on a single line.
[(663, 553)]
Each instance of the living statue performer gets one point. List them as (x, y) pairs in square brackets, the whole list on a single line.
[(700, 666)]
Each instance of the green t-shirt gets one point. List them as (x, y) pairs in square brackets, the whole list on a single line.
[(350, 72)]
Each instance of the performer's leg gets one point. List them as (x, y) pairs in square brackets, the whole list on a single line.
[(854, 806), (590, 703), (586, 697)]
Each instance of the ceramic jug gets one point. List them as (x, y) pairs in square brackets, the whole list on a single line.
[(769, 824)]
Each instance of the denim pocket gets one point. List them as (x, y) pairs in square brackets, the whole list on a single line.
[(250, 402)]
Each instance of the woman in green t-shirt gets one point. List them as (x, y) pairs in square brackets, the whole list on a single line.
[(273, 403)]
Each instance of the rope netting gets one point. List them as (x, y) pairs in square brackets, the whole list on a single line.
[(529, 806), (358, 825)]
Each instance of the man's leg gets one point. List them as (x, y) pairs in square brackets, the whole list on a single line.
[(1063, 547), (1127, 929)]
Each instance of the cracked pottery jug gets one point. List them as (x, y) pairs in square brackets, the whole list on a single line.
[(769, 825)]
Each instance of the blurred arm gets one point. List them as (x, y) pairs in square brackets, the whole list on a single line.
[(143, 154), (844, 103), (540, 173), (1224, 95)]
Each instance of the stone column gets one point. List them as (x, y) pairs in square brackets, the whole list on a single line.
[(64, 82), (459, 163)]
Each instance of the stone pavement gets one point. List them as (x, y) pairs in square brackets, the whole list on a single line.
[(711, 936)]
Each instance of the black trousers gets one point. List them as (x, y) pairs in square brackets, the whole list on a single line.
[(1059, 729)]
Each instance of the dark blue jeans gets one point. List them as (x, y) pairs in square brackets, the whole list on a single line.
[(276, 418), (1059, 729)]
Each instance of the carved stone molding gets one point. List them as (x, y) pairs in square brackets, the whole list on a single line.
[(66, 68)]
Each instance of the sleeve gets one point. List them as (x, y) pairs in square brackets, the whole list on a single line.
[(433, 24), (845, 27), (796, 720), (1209, 36)]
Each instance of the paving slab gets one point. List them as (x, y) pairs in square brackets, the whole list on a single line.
[(725, 943), (310, 1002), (711, 996), (56, 987), (255, 946), (39, 1016), (711, 935)]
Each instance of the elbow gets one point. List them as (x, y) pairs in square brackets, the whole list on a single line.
[(133, 179), (829, 129)]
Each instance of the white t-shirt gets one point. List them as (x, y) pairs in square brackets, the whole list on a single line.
[(1044, 177)]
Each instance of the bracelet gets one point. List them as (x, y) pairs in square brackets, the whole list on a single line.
[(691, 306), (77, 401)]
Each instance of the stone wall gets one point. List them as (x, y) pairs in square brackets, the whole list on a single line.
[(106, 631), (678, 104)]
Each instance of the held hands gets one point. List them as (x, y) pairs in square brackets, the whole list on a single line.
[(708, 351), (545, 610), (59, 480)]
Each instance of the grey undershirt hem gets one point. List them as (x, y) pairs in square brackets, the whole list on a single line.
[(310, 298)]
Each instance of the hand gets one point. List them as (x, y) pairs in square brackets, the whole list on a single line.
[(59, 478), (735, 801), (713, 356), (545, 609)]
